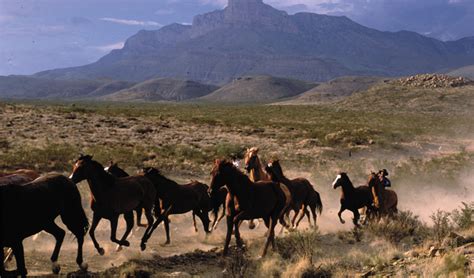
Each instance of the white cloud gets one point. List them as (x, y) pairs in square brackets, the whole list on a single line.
[(110, 47), (131, 21)]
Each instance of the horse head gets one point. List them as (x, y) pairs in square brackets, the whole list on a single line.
[(273, 168), (115, 170), (83, 167), (340, 180), (219, 174), (251, 159)]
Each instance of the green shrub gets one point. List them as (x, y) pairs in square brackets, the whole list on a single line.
[(463, 217), (299, 245), (441, 224)]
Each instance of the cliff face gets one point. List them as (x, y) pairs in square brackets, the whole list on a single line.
[(249, 37)]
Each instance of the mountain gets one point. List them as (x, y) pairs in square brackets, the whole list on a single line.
[(249, 37), (162, 89), (336, 89), (14, 86), (258, 89), (467, 71)]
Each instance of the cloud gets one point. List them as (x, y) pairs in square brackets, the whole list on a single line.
[(110, 47), (131, 22)]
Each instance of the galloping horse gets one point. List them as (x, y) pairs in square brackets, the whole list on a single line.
[(248, 200), (118, 172), (113, 196), (352, 198), (387, 199), (33, 207), (174, 198), (302, 191)]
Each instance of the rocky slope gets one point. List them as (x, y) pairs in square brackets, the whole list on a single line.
[(249, 37)]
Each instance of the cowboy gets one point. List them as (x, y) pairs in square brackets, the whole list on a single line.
[(383, 177)]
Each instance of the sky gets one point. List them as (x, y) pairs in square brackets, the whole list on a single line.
[(37, 35)]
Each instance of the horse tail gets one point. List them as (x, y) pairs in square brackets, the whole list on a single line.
[(318, 202), (287, 193)]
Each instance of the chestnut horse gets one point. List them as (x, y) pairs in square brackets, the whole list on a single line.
[(352, 198), (248, 200), (113, 196), (30, 208), (174, 198), (18, 177), (118, 172), (302, 191), (387, 199)]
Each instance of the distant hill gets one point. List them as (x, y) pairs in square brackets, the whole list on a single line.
[(109, 88), (335, 89), (258, 89), (402, 96), (249, 37), (467, 71), (162, 89), (29, 87)]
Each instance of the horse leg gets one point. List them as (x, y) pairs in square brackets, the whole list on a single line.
[(355, 220), (340, 214), (194, 221), (166, 220), (230, 225), (113, 229), (315, 216), (271, 234), (301, 213), (20, 259), (204, 219), (58, 234), (139, 212), (95, 222), (129, 221)]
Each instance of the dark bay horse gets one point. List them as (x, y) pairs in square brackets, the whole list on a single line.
[(118, 172), (30, 208), (387, 199), (218, 200), (352, 198), (249, 200), (302, 191), (113, 196), (174, 198)]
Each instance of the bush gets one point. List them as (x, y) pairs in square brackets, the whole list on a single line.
[(404, 225), (463, 217), (453, 265), (299, 245), (441, 224)]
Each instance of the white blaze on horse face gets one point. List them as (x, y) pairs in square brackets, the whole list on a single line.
[(70, 177), (106, 169), (336, 180)]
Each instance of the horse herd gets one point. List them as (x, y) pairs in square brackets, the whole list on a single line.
[(30, 203)]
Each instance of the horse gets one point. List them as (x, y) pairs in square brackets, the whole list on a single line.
[(174, 198), (302, 191), (21, 176), (248, 200), (111, 197), (352, 198), (118, 172), (30, 208), (387, 200)]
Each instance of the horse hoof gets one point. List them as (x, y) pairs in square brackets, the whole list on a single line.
[(125, 243), (101, 251), (343, 222), (252, 226), (119, 248), (143, 246), (167, 242), (56, 268), (83, 267)]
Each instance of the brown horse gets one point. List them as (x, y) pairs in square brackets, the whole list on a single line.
[(33, 207), (302, 191), (118, 172), (218, 200), (113, 196), (174, 198), (249, 200), (21, 176), (387, 199), (352, 198)]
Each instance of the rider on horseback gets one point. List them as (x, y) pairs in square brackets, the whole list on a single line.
[(383, 177), (378, 193)]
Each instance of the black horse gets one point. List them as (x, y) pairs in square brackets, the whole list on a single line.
[(352, 198), (33, 207)]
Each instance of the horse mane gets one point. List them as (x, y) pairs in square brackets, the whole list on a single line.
[(159, 175), (347, 179)]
